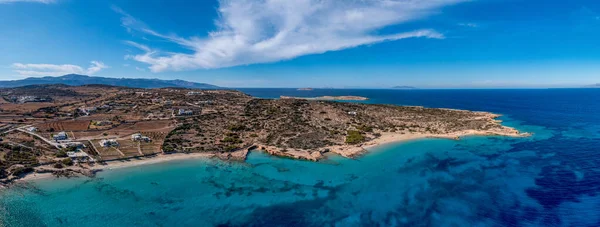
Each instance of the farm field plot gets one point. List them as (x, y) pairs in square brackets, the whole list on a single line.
[(107, 153), (25, 107), (155, 127), (85, 134), (70, 125), (155, 136), (129, 148), (150, 148), (149, 125)]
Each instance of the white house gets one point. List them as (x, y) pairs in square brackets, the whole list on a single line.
[(204, 102), (60, 136), (77, 145), (194, 93), (88, 110), (140, 137), (185, 112), (32, 129), (109, 143), (352, 112)]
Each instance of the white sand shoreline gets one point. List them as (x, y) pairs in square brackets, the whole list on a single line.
[(347, 151), (111, 165)]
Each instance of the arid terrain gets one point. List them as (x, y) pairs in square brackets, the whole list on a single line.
[(69, 130)]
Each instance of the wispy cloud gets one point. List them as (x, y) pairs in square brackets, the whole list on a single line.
[(56, 70), (471, 25), (34, 1), (258, 31)]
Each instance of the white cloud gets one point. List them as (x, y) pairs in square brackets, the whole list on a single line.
[(471, 25), (35, 1), (262, 31), (56, 70)]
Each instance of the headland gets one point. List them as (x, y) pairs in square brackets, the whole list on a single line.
[(79, 130)]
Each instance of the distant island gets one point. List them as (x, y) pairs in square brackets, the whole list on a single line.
[(78, 80), (305, 89), (403, 87), (593, 86), (328, 98)]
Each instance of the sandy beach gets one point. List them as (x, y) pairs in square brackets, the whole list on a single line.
[(120, 164), (348, 151)]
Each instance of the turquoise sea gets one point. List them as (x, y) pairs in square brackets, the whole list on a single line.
[(549, 179)]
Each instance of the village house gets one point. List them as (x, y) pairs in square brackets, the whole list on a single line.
[(352, 112), (109, 143), (88, 110), (204, 102), (182, 112), (79, 156), (194, 93), (60, 136), (140, 137), (32, 129), (76, 145)]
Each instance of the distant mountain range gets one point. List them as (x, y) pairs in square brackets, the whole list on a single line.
[(77, 80), (594, 86), (404, 87)]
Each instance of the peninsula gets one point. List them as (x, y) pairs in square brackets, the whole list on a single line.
[(328, 98), (73, 130)]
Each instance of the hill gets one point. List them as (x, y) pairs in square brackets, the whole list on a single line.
[(404, 87), (78, 80), (593, 86)]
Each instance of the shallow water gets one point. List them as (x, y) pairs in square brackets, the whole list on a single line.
[(549, 179)]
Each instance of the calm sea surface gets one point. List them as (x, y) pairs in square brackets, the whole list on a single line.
[(549, 179)]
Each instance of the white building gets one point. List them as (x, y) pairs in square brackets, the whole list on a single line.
[(77, 145), (352, 112), (88, 110), (204, 102), (185, 112), (109, 143), (32, 129), (140, 137), (60, 136), (194, 93)]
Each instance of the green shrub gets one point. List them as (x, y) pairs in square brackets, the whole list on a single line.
[(19, 171), (61, 154), (67, 162), (365, 128), (231, 148), (354, 137), (237, 127), (231, 140)]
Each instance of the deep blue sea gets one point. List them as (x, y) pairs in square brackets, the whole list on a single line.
[(549, 179)]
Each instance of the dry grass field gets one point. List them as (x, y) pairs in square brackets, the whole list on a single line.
[(66, 125), (107, 153), (129, 148)]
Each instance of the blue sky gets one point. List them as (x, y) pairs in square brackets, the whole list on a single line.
[(308, 43)]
